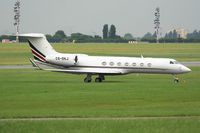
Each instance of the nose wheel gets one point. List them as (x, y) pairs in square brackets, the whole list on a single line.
[(176, 79)]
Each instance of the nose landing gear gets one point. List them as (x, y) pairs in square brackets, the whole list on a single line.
[(176, 79)]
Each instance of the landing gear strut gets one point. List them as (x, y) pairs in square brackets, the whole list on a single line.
[(176, 79), (88, 79), (100, 78)]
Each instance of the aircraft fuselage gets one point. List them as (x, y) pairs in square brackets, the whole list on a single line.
[(124, 65)]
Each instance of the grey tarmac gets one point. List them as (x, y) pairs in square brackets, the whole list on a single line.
[(16, 67), (192, 63)]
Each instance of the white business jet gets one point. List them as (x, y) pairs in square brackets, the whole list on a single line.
[(46, 58)]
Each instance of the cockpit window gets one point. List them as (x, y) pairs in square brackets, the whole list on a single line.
[(174, 62)]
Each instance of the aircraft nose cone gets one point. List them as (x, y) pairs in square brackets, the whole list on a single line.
[(186, 69)]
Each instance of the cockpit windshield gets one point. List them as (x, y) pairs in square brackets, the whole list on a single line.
[(174, 62)]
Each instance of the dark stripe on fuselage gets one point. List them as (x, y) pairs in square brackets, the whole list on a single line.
[(38, 55), (36, 58), (31, 45)]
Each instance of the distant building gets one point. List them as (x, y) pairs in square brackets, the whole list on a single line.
[(5, 41), (181, 33), (8, 41)]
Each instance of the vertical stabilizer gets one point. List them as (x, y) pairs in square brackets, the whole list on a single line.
[(39, 45)]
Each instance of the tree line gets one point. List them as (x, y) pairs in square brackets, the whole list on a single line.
[(173, 37), (108, 35)]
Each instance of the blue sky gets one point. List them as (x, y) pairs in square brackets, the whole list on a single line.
[(89, 16)]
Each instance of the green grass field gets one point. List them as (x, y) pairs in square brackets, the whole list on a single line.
[(19, 54), (29, 93), (103, 126), (32, 93)]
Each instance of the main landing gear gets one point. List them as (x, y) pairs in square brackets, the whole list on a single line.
[(88, 79), (99, 79), (176, 79)]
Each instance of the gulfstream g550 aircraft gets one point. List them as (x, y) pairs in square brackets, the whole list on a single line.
[(46, 58)]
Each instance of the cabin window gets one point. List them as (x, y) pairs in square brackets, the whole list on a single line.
[(119, 64), (149, 64), (134, 64), (141, 64), (103, 63), (126, 64), (171, 62), (111, 63)]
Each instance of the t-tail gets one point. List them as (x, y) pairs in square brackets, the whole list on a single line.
[(39, 45)]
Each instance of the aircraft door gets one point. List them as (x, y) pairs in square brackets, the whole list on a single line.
[(75, 60)]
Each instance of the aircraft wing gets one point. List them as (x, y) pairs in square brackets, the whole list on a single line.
[(88, 70), (75, 70)]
